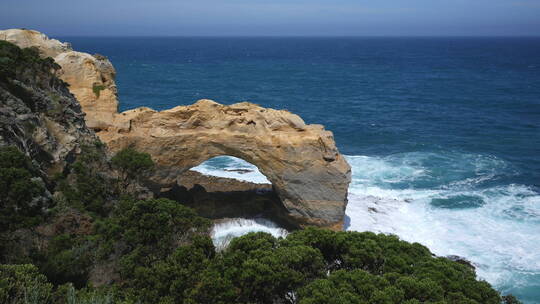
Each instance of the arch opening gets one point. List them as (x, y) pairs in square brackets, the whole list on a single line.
[(232, 167), (225, 230), (235, 194)]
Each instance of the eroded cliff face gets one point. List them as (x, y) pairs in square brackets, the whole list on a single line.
[(307, 171), (90, 77), (38, 114)]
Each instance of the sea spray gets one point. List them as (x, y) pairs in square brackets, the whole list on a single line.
[(451, 203), (225, 230)]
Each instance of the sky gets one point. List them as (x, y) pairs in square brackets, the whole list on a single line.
[(274, 18)]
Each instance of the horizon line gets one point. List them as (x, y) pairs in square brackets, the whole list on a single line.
[(296, 36)]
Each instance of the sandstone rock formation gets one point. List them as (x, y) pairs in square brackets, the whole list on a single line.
[(302, 162)]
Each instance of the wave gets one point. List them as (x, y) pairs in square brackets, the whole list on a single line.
[(232, 167), (223, 232), (453, 203)]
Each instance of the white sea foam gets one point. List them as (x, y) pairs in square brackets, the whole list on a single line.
[(224, 166), (501, 236), (499, 233), (222, 233)]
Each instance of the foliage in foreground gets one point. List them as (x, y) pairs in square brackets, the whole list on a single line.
[(309, 267), (161, 253)]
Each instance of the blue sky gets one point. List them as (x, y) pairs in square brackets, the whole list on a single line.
[(274, 18)]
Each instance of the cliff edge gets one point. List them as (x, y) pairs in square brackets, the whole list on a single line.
[(302, 161)]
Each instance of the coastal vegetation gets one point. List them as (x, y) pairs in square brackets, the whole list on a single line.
[(162, 253), (130, 165), (97, 88), (74, 237)]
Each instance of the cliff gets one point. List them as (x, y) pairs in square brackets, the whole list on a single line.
[(90, 77), (38, 114), (307, 171)]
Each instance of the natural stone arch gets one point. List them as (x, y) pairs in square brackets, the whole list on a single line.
[(301, 161)]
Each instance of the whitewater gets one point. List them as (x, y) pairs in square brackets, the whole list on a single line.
[(450, 202)]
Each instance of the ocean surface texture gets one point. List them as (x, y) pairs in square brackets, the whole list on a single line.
[(443, 134)]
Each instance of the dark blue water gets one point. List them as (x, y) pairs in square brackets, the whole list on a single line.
[(451, 125)]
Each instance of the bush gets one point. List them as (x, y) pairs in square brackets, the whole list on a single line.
[(89, 191), (21, 201), (131, 164), (411, 268), (23, 284), (22, 63), (96, 88), (164, 245), (320, 266), (66, 260)]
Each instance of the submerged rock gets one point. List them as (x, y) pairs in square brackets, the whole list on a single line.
[(461, 260)]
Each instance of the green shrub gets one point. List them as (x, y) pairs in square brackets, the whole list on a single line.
[(20, 191), (165, 246), (130, 165), (319, 266), (410, 268), (90, 191), (97, 88), (23, 284), (66, 260), (22, 63)]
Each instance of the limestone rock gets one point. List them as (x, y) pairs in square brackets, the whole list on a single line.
[(29, 38), (39, 115), (91, 80), (90, 77)]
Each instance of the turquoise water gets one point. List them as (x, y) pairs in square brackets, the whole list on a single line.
[(443, 134)]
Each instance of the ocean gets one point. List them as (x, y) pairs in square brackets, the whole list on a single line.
[(442, 134)]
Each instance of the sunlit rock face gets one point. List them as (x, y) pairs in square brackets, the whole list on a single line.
[(301, 161)]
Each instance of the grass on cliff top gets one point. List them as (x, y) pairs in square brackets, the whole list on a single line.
[(97, 88)]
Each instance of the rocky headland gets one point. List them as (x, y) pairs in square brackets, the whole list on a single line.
[(308, 174), (79, 225)]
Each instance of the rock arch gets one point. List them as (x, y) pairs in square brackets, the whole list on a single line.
[(301, 161)]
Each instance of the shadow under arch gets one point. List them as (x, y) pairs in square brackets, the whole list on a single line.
[(225, 186)]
